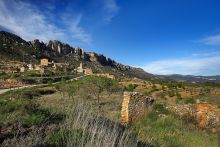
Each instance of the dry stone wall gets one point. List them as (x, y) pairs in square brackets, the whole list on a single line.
[(205, 115), (133, 106)]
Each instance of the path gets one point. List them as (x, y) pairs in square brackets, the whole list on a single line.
[(28, 86)]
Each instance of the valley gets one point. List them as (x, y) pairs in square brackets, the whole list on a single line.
[(52, 94)]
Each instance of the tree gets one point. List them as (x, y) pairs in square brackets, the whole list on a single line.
[(178, 95), (154, 87), (131, 87), (98, 87)]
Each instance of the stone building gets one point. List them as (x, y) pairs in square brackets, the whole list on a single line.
[(87, 71), (37, 67), (30, 67), (133, 106), (44, 62), (81, 69), (22, 69), (60, 66)]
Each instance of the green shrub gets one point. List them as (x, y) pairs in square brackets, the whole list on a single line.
[(190, 100), (161, 95), (131, 87), (62, 137), (171, 93), (34, 119), (147, 93), (160, 108)]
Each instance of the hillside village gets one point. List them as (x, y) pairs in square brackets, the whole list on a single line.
[(45, 65)]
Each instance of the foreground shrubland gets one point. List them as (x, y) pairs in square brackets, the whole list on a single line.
[(86, 112)]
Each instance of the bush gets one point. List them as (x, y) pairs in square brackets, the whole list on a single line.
[(60, 137), (160, 108), (190, 100), (161, 95), (34, 119), (131, 87)]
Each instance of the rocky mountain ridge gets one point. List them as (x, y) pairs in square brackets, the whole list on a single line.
[(13, 47)]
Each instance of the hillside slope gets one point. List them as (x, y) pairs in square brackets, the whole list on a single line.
[(14, 48)]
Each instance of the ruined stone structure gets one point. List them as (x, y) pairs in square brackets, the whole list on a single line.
[(87, 71), (206, 116), (133, 106), (81, 69)]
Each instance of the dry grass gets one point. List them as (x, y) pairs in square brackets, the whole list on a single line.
[(83, 127)]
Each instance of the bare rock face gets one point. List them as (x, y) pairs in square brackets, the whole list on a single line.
[(133, 106), (59, 47), (38, 45), (206, 116)]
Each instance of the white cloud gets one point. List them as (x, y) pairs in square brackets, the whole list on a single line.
[(208, 65), (30, 23), (72, 23), (211, 40), (111, 8)]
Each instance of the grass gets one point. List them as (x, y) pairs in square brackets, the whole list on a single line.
[(213, 99), (77, 120), (83, 127), (162, 128), (20, 106)]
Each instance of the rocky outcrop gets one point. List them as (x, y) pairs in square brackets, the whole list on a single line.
[(133, 106), (59, 47), (38, 45), (13, 47)]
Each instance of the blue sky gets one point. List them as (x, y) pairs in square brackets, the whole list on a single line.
[(160, 36)]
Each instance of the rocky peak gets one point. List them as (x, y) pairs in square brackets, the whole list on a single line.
[(59, 51), (56, 46), (38, 45)]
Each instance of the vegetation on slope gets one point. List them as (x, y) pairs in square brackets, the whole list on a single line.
[(70, 114)]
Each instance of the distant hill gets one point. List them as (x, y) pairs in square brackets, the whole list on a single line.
[(14, 48), (191, 78)]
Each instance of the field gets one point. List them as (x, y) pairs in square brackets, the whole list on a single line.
[(87, 112)]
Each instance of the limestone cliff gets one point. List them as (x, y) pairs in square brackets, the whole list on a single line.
[(13, 47)]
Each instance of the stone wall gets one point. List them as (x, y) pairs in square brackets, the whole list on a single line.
[(206, 116), (133, 106), (10, 83)]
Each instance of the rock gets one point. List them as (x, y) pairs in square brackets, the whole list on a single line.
[(59, 47)]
